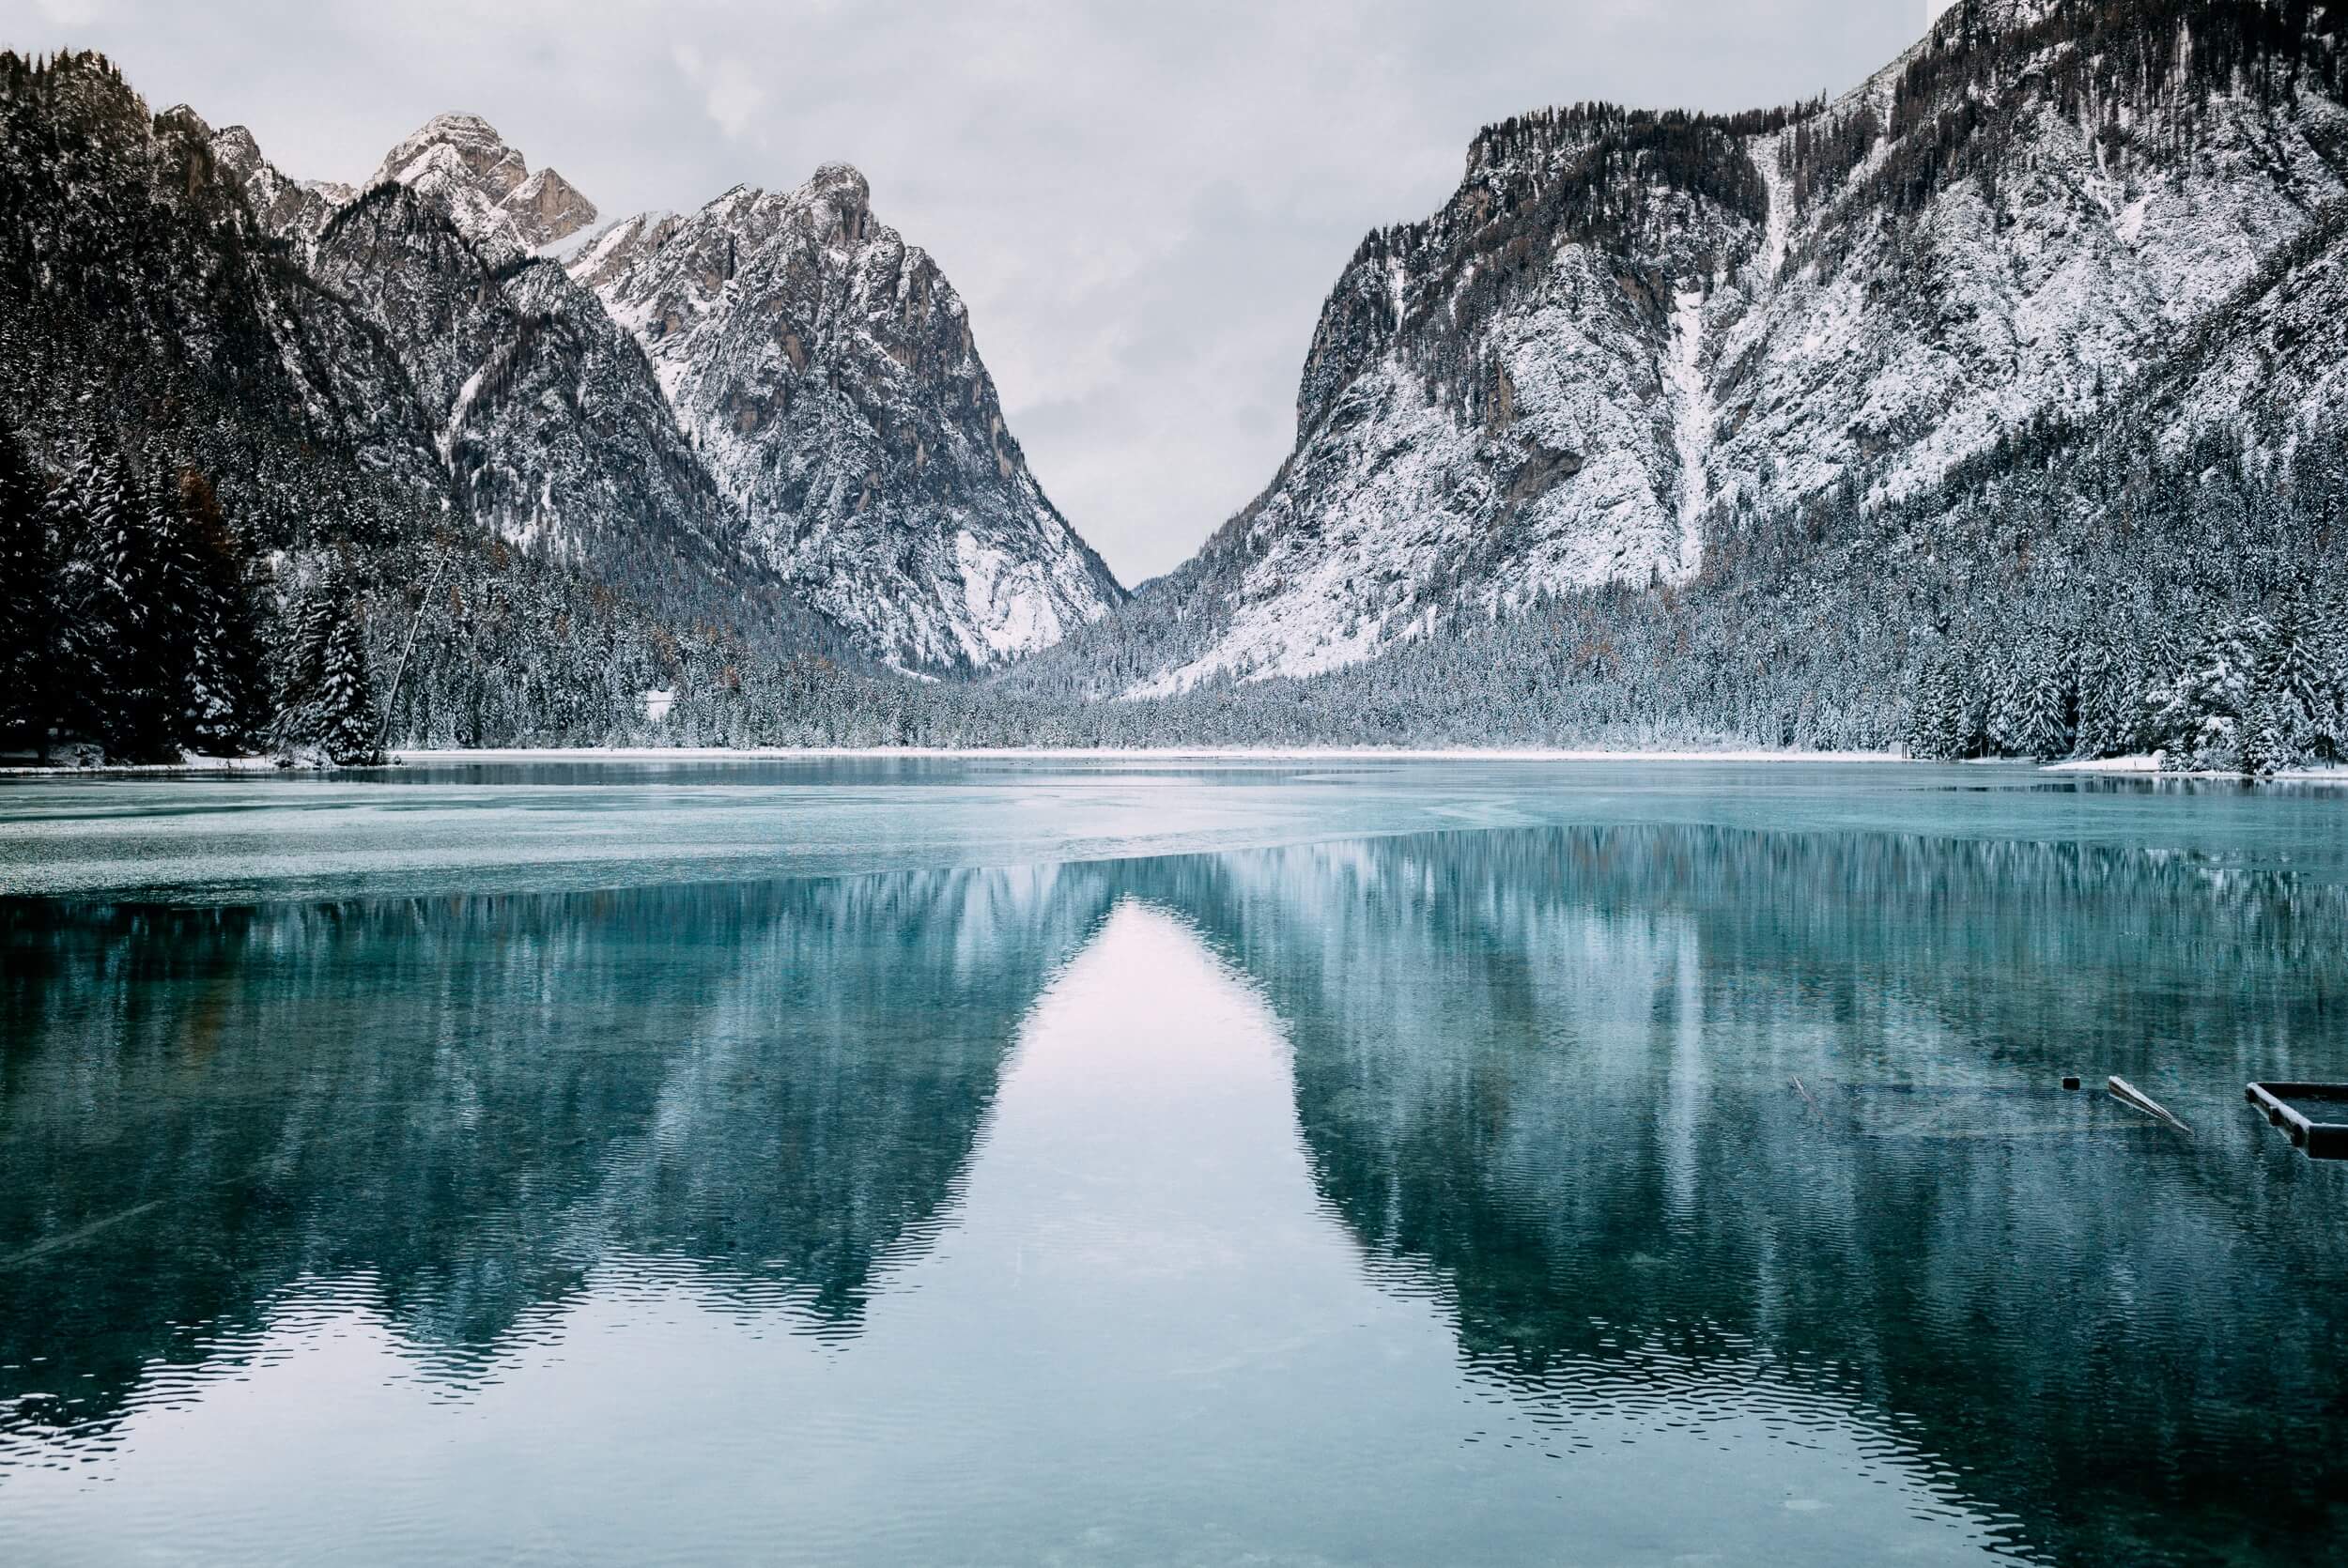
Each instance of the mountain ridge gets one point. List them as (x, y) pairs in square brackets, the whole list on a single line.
[(380, 408), (1627, 327)]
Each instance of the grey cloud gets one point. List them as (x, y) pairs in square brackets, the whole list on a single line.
[(1143, 204)]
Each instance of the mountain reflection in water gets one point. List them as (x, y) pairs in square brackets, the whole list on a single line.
[(1439, 1195)]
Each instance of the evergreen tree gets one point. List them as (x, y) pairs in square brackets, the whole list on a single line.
[(28, 589), (302, 660), (2045, 717), (326, 691), (218, 699), (2287, 720), (113, 661), (2110, 712), (2197, 716), (343, 708)]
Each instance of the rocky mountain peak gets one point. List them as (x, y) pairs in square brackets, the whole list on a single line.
[(843, 196), (842, 184), (826, 373), (466, 143), (460, 162)]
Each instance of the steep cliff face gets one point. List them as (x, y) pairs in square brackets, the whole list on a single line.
[(826, 374), (1627, 335), (546, 416), (286, 208)]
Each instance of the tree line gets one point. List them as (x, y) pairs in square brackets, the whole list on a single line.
[(2046, 602)]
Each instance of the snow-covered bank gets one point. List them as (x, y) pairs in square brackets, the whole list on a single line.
[(186, 764), (2106, 764), (2148, 765), (456, 757), (1117, 753), (2141, 766)]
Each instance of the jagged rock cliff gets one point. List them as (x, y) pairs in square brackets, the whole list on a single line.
[(826, 373), (1628, 335), (545, 415), (461, 163)]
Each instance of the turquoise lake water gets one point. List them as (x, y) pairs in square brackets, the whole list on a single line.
[(927, 1161)]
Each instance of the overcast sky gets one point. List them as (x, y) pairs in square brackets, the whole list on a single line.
[(1144, 202)]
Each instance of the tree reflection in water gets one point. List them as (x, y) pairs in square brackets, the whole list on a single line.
[(1544, 1077)]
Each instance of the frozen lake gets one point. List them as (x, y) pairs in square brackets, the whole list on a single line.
[(1006, 1161)]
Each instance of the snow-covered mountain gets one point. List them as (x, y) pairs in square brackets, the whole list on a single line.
[(284, 206), (1628, 335), (486, 186), (779, 378), (829, 376), (535, 409), (1991, 407), (821, 373)]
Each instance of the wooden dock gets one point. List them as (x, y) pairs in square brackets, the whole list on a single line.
[(2289, 1106)]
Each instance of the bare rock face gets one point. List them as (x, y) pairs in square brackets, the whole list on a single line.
[(1629, 335), (827, 375), (546, 207), (460, 163), (286, 207)]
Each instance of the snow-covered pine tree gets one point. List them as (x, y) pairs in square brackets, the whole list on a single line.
[(2289, 700), (218, 700), (2329, 638), (2197, 718), (176, 595), (2044, 709), (343, 706), (1933, 730), (2007, 690), (302, 634), (1951, 720), (2111, 707), (112, 663), (28, 589)]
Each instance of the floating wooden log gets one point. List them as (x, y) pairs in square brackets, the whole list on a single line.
[(2315, 1115), (2135, 1099)]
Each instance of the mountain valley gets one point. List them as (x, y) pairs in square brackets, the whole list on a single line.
[(1994, 407)]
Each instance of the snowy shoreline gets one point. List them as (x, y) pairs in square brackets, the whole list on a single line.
[(2147, 765), (1121, 754), (426, 758), (2141, 766)]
